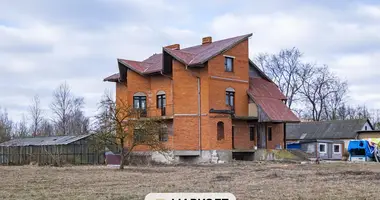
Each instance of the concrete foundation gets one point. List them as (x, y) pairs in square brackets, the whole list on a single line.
[(215, 156), (194, 157)]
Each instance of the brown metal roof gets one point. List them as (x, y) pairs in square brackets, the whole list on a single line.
[(276, 110), (191, 56), (263, 88), (112, 78), (270, 99)]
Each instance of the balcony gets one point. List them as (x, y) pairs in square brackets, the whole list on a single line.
[(164, 113)]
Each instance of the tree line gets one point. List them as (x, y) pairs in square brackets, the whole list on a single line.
[(313, 91), (67, 117)]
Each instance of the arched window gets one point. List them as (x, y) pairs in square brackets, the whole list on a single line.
[(230, 97), (161, 102), (161, 99), (139, 100), (220, 130)]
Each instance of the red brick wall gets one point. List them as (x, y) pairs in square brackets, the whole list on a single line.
[(182, 99), (240, 72), (211, 137), (277, 135), (161, 83), (242, 140)]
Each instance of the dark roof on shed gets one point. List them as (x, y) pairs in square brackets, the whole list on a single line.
[(44, 141), (336, 129), (319, 141)]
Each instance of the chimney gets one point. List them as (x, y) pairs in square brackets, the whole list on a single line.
[(173, 46), (206, 40)]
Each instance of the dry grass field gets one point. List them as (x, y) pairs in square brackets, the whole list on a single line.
[(247, 180)]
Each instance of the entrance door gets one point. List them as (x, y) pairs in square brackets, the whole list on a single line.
[(261, 136), (233, 137)]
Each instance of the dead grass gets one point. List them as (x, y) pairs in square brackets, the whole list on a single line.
[(247, 180)]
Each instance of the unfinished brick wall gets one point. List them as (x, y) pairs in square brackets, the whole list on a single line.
[(182, 102), (277, 135), (219, 79), (242, 140)]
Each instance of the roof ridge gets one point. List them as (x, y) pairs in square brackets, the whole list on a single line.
[(135, 61), (227, 47), (199, 45)]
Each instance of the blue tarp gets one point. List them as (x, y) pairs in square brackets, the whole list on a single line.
[(360, 145), (293, 146)]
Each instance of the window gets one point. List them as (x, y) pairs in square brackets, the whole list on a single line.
[(163, 134), (161, 99), (139, 102), (322, 148), (230, 97), (228, 64), (220, 131), (365, 127), (337, 148), (252, 133), (269, 133)]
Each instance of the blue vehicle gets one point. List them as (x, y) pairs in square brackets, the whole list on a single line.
[(362, 150)]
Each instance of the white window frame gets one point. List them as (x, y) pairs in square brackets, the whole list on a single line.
[(340, 148), (319, 149)]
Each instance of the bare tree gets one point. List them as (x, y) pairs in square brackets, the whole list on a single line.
[(78, 123), (287, 71), (65, 107), (46, 129), (61, 107), (120, 124), (6, 125), (21, 128), (35, 113), (317, 89), (336, 100)]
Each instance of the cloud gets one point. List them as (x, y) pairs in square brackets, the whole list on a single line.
[(346, 38), (48, 42), (372, 11)]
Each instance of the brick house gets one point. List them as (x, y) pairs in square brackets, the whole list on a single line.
[(216, 102)]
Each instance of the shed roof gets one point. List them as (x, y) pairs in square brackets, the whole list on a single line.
[(336, 129), (44, 141), (269, 98)]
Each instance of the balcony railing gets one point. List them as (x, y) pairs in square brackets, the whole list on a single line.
[(166, 111)]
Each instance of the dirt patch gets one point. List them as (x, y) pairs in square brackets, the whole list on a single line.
[(220, 178), (246, 180)]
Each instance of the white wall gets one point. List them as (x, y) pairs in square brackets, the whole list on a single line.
[(368, 127)]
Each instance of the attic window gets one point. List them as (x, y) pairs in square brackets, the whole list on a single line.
[(228, 64)]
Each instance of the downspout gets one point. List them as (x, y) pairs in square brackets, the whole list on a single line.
[(284, 135), (199, 114)]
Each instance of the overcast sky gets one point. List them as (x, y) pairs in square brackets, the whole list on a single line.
[(46, 42)]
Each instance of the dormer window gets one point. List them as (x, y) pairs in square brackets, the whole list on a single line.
[(228, 63)]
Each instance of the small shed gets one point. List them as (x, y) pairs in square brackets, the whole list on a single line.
[(323, 149), (337, 130), (80, 149)]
